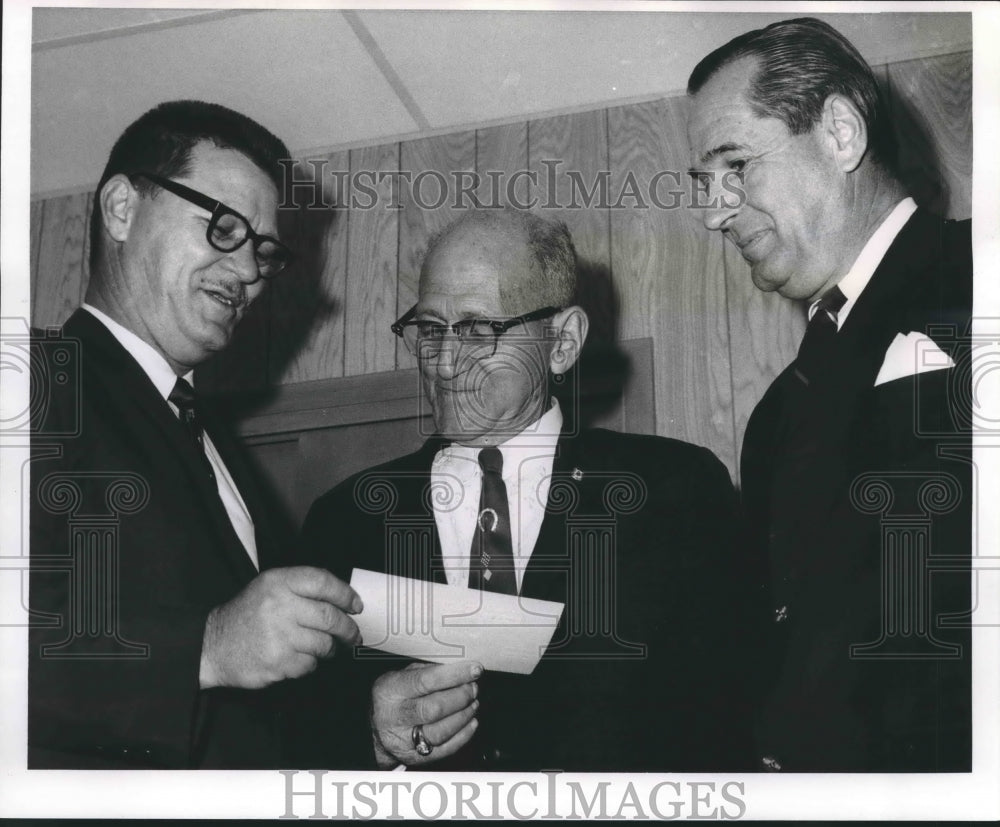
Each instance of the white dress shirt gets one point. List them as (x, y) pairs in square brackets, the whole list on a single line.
[(527, 474), (853, 284), (908, 354), (163, 378)]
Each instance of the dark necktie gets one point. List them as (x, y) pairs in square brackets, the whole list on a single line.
[(492, 565), (183, 397), (820, 335)]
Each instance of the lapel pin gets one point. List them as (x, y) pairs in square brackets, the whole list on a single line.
[(576, 474)]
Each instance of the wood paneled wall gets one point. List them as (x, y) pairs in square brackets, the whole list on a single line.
[(647, 272)]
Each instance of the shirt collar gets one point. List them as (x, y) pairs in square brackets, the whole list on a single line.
[(871, 255), (540, 437), (152, 363)]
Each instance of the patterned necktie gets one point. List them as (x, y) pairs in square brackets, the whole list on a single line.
[(820, 335), (492, 565), (183, 397)]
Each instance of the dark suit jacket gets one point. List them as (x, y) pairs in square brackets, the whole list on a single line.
[(131, 548), (657, 687), (845, 484)]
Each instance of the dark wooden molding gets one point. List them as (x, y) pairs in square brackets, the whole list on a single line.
[(616, 380)]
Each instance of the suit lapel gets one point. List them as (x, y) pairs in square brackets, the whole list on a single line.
[(546, 576), (268, 549), (821, 414), (414, 512), (832, 424), (133, 390), (895, 296)]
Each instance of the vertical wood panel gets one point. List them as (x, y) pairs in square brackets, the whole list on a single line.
[(647, 272), (931, 103), (307, 302), (35, 219), (670, 269), (569, 154), (372, 248), (58, 287), (432, 163), (502, 151), (765, 331)]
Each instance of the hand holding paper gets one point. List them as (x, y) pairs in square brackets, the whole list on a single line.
[(440, 698), (444, 624)]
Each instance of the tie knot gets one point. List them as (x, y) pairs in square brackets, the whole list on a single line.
[(831, 302), (490, 459), (182, 395)]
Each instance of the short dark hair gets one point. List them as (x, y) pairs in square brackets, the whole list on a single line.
[(161, 142), (802, 62), (553, 282)]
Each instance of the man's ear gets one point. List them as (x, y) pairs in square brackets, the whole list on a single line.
[(118, 198), (570, 330), (845, 127)]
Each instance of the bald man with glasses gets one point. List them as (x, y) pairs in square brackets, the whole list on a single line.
[(165, 623), (506, 497)]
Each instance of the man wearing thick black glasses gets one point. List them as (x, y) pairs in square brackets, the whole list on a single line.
[(631, 533), (165, 623)]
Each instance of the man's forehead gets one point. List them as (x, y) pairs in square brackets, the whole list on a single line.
[(459, 292), (472, 261), (230, 176), (721, 118)]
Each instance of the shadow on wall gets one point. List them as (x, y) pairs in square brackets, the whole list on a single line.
[(594, 387), (921, 164), (301, 305), (294, 308)]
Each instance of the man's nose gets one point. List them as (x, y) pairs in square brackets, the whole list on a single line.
[(453, 359), (718, 218), (243, 261), (447, 357), (721, 206)]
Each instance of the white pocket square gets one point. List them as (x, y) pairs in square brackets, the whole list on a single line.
[(912, 354)]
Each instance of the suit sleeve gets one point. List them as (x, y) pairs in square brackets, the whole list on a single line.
[(699, 720), (113, 675), (328, 715), (125, 569)]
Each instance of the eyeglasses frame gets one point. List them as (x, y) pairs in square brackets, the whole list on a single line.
[(218, 209), (499, 327)]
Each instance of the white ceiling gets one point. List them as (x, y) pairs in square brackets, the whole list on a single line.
[(326, 79)]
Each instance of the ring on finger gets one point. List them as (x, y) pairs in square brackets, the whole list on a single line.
[(420, 743)]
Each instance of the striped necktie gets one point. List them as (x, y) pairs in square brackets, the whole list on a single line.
[(820, 336), (183, 397)]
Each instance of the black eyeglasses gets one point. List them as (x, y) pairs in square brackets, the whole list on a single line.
[(425, 339), (228, 230)]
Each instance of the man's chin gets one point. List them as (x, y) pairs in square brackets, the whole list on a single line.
[(463, 436), (763, 281), (212, 339)]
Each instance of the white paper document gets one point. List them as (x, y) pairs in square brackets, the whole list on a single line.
[(442, 624)]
